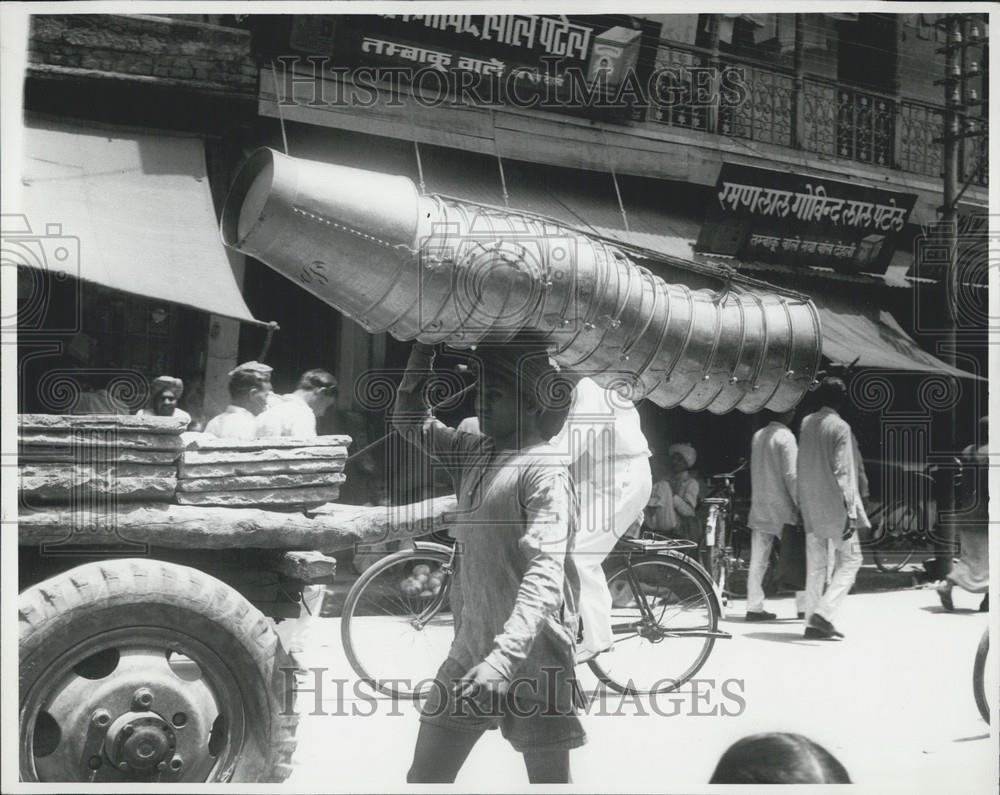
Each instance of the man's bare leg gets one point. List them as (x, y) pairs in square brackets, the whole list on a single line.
[(547, 767), (440, 754)]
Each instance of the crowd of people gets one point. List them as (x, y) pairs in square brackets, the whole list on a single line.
[(544, 493), (255, 410), (538, 509)]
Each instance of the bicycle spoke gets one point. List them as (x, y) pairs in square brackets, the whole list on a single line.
[(390, 634), (649, 648)]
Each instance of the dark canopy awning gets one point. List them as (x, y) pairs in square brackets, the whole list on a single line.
[(873, 338)]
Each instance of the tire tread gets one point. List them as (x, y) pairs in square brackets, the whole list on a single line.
[(46, 607)]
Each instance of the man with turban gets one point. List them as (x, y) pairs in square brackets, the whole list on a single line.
[(674, 499), (164, 394)]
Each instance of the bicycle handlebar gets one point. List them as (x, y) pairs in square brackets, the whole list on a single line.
[(726, 476)]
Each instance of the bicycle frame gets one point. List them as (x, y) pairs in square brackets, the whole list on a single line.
[(647, 614), (648, 619)]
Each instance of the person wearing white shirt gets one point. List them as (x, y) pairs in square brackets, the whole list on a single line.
[(249, 387), (294, 415), (610, 467), (773, 504), (831, 506), (469, 425)]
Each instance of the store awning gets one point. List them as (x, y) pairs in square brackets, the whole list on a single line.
[(873, 338), (136, 210)]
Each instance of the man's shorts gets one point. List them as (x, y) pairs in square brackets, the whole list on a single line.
[(526, 724)]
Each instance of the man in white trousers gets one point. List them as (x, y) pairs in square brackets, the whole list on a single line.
[(773, 504), (610, 467), (831, 506)]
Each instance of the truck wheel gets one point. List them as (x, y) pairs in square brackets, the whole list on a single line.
[(141, 670)]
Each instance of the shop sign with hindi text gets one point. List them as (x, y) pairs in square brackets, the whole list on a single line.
[(763, 215)]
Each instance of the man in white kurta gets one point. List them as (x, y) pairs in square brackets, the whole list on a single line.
[(294, 415), (610, 466), (773, 504), (831, 506)]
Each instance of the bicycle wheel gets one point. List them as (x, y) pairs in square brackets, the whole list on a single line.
[(397, 625), (893, 547), (660, 654), (980, 687)]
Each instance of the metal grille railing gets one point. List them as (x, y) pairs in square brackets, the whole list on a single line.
[(919, 125), (837, 121), (766, 115), (676, 89), (819, 118)]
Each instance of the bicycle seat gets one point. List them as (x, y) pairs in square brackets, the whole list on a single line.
[(654, 544)]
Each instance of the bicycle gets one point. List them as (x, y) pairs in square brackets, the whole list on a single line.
[(903, 526), (980, 687), (398, 616), (726, 544)]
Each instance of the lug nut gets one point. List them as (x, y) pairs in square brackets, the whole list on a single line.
[(101, 717), (143, 697), (123, 766), (176, 763)]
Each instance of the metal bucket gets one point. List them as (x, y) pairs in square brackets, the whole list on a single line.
[(440, 270)]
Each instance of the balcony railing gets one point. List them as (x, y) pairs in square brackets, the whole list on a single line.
[(816, 115), (766, 115)]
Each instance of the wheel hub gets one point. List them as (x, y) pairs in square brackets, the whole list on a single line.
[(148, 716), (139, 741)]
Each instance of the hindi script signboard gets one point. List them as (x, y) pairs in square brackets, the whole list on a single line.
[(763, 215), (583, 65)]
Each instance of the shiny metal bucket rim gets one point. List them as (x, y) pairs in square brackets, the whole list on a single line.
[(245, 178)]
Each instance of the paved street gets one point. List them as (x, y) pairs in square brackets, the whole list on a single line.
[(893, 702)]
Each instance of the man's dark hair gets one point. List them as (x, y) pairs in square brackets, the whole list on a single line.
[(317, 381), (523, 362), (243, 382), (832, 392), (778, 758)]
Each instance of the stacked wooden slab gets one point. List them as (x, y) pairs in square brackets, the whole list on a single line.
[(273, 473), (64, 459)]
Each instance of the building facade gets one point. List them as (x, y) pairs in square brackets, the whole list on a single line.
[(503, 111)]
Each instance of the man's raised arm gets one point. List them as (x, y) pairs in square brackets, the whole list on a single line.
[(412, 417)]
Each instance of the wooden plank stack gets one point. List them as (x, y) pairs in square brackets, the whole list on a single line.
[(69, 459), (276, 473)]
